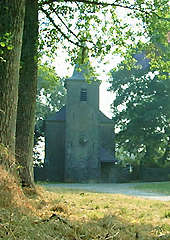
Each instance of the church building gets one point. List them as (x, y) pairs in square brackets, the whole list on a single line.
[(79, 139)]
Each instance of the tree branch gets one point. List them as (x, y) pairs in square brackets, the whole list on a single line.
[(58, 28), (103, 4), (68, 29)]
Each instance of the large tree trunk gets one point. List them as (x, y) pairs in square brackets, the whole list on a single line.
[(11, 30), (27, 95)]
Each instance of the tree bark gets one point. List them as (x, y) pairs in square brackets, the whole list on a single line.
[(11, 30), (27, 95)]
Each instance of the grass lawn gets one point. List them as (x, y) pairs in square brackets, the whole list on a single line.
[(159, 187), (61, 214)]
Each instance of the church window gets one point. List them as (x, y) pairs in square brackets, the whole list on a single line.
[(83, 95)]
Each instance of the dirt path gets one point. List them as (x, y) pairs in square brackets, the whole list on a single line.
[(115, 188)]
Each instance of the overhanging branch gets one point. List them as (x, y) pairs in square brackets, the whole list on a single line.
[(103, 4), (68, 29), (58, 28)]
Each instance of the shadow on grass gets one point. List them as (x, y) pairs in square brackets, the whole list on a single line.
[(77, 215), (109, 227)]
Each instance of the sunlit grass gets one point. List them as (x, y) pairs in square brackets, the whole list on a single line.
[(158, 187), (61, 214)]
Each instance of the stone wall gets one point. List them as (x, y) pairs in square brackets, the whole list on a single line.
[(81, 159), (39, 174), (114, 174), (110, 174), (55, 143), (154, 174)]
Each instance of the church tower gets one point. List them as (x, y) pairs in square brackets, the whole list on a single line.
[(81, 135), (79, 138)]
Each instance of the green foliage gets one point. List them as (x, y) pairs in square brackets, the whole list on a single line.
[(6, 41), (50, 98), (141, 112), (126, 158), (142, 90), (5, 44), (155, 40), (50, 93), (104, 28)]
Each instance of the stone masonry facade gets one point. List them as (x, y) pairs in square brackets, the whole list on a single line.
[(79, 139)]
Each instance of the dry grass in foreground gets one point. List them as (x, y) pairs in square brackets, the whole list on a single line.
[(60, 214)]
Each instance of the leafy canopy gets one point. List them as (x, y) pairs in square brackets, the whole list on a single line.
[(141, 110), (104, 27)]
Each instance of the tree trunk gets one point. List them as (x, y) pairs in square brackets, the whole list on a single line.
[(11, 30), (27, 95), (147, 158)]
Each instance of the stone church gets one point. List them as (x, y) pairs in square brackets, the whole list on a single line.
[(79, 139)]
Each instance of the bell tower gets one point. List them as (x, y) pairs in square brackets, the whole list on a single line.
[(81, 135)]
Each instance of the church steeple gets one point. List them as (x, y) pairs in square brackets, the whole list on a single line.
[(81, 87), (82, 68), (80, 73), (81, 146)]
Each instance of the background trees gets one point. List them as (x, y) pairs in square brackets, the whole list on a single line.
[(50, 92), (142, 87), (141, 109), (51, 97)]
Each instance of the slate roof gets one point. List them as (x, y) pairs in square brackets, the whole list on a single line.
[(58, 116), (142, 60), (103, 118), (80, 73), (105, 156), (61, 116)]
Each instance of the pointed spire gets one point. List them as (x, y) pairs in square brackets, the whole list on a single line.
[(80, 72), (83, 70)]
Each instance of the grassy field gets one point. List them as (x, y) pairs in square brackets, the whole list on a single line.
[(61, 214), (158, 187)]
